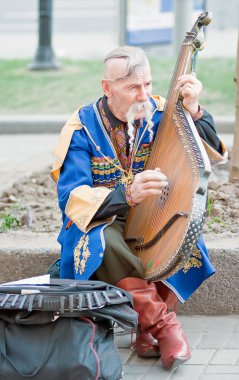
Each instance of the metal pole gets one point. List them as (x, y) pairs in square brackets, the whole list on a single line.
[(45, 57), (182, 22), (122, 21)]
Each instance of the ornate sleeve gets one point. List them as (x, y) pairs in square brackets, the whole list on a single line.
[(114, 204), (77, 198)]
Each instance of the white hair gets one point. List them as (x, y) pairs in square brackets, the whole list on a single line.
[(135, 57)]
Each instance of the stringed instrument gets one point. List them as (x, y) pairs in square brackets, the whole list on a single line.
[(163, 230)]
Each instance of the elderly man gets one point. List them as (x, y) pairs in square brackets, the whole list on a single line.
[(100, 172)]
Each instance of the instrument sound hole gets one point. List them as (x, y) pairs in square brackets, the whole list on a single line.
[(163, 197)]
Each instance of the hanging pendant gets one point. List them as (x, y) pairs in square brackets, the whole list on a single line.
[(127, 179)]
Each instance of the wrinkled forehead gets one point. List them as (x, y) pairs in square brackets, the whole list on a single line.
[(116, 69)]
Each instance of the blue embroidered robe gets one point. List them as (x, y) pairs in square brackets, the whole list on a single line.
[(91, 160)]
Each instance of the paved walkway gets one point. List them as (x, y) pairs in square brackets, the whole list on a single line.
[(21, 154), (214, 342), (89, 29), (219, 43)]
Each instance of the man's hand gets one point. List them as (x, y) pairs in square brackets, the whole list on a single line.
[(149, 182), (190, 88)]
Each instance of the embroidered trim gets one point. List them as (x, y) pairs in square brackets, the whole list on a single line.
[(143, 155), (81, 221), (97, 196), (194, 261), (82, 204), (128, 196), (106, 173), (80, 263), (118, 138), (124, 173), (100, 164)]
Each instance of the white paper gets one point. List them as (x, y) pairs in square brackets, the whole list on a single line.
[(39, 280)]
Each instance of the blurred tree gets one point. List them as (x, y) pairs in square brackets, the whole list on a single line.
[(234, 166)]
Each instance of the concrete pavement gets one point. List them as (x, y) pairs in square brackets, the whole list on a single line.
[(214, 342), (21, 154), (220, 43), (89, 29)]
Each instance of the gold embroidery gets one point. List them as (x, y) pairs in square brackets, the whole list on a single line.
[(197, 253), (82, 220), (79, 263), (193, 262), (77, 253), (97, 195), (127, 180), (105, 172)]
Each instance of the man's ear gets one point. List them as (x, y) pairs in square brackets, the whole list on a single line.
[(106, 87)]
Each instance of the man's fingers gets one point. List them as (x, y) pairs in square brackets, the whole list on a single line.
[(188, 79), (151, 175), (152, 192), (149, 182), (154, 184), (188, 91)]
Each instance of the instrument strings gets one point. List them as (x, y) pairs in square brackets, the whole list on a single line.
[(153, 211), (174, 153)]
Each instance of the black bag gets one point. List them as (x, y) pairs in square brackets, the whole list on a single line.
[(63, 331)]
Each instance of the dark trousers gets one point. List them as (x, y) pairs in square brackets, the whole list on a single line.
[(118, 262)]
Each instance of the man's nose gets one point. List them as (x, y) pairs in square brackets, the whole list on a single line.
[(142, 95)]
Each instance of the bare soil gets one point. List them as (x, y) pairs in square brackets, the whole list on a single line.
[(31, 204)]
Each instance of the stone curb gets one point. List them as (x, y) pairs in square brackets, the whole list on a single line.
[(54, 123), (220, 293), (24, 254), (27, 254)]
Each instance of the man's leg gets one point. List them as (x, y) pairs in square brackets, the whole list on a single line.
[(154, 319), (121, 268), (146, 345), (118, 263)]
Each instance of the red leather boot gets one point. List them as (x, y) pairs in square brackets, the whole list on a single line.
[(154, 319), (168, 296), (146, 345)]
